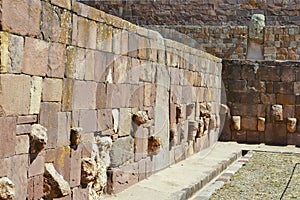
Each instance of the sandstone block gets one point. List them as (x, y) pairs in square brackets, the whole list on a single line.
[(62, 162), (87, 33), (67, 96), (38, 186), (22, 144), (37, 166), (23, 129), (105, 119), (88, 120), (75, 65), (7, 136), (141, 143), (49, 119), (64, 124), (36, 95), (27, 119), (122, 151), (21, 17), (249, 123), (104, 37), (12, 48), (101, 67), (35, 60), (84, 95), (261, 124), (276, 134), (56, 23), (52, 89), (90, 65), (56, 65), (18, 174), (17, 102), (64, 4), (75, 167), (124, 42), (125, 122)]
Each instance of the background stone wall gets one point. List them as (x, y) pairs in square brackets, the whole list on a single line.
[(231, 42), (78, 71), (202, 12), (263, 98)]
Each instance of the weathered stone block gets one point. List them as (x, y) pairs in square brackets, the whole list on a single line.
[(90, 65), (21, 17), (28, 119), (62, 162), (18, 173), (261, 124), (125, 122), (88, 120), (35, 60), (37, 166), (49, 119), (105, 119), (23, 129), (18, 101), (87, 33), (75, 65), (253, 137), (7, 188), (12, 50), (56, 65), (56, 23), (65, 3), (84, 95), (36, 95), (22, 144), (75, 167), (286, 99), (7, 136), (249, 123), (52, 89), (122, 151), (38, 186), (64, 124), (275, 134), (141, 143), (67, 96), (104, 37)]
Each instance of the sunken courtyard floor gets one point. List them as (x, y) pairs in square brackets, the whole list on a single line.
[(266, 175)]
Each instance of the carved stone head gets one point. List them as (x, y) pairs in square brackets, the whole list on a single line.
[(256, 26)]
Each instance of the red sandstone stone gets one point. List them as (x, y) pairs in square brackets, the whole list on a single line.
[(7, 136)]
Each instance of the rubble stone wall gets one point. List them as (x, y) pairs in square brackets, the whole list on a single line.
[(115, 102), (231, 42), (202, 12), (263, 99)]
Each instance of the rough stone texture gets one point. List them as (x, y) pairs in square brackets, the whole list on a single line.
[(22, 144), (36, 95), (291, 125), (122, 151), (17, 102), (125, 122), (7, 188), (88, 170), (56, 65), (277, 113), (236, 122), (38, 138), (52, 90), (84, 95), (7, 136), (35, 60), (54, 184), (21, 16)]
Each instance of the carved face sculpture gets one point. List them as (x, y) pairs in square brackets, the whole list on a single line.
[(291, 124), (256, 26)]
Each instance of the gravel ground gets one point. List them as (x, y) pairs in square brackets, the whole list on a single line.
[(264, 177)]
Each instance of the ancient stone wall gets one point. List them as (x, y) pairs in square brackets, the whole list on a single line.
[(85, 95), (263, 100), (232, 42), (202, 12)]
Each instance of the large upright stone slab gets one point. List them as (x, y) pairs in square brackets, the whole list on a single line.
[(84, 95), (15, 94), (122, 151), (7, 136)]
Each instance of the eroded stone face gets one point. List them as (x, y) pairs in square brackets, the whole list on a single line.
[(7, 188), (261, 124), (38, 138), (54, 184), (154, 144), (277, 112), (75, 137), (88, 170), (291, 125), (256, 27), (236, 123), (140, 117)]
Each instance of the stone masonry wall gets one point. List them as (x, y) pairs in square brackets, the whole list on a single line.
[(202, 12), (231, 42), (92, 103), (263, 100)]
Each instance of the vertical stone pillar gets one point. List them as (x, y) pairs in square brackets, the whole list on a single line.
[(256, 37)]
